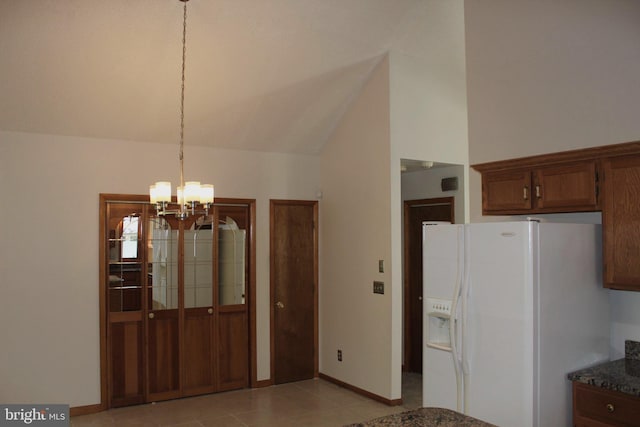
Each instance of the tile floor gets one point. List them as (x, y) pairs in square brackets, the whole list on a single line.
[(312, 403)]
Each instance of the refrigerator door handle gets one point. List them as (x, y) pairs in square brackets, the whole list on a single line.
[(465, 292), (455, 322)]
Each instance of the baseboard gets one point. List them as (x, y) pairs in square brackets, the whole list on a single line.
[(262, 383), (394, 402), (86, 410)]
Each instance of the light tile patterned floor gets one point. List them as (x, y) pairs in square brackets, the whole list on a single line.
[(313, 403)]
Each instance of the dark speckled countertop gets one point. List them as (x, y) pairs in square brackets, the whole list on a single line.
[(425, 417), (621, 375)]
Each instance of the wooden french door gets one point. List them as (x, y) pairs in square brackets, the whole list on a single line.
[(177, 300), (415, 213), (294, 290)]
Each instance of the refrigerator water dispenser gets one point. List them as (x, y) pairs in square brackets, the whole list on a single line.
[(438, 313)]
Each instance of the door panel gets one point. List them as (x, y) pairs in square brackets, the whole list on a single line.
[(232, 312), (294, 290), (125, 356), (198, 339), (198, 344), (124, 294), (416, 212), (163, 355), (163, 318), (233, 342)]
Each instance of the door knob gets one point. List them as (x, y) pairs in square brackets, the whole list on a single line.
[(419, 298), (279, 304)]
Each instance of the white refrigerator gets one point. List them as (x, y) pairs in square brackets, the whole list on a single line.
[(509, 309)]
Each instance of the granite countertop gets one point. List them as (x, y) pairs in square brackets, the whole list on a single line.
[(621, 375), (424, 417)]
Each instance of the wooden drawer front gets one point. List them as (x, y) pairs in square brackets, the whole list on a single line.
[(606, 406)]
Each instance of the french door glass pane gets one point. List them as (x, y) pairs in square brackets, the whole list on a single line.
[(231, 262), (125, 264), (198, 264), (163, 264)]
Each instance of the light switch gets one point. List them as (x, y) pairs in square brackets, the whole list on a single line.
[(380, 266)]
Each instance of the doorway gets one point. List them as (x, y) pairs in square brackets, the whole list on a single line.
[(177, 300), (294, 290), (415, 213)]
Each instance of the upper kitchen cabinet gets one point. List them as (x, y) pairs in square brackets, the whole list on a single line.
[(605, 178), (621, 222), (541, 185)]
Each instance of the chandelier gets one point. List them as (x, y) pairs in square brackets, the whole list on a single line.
[(192, 197)]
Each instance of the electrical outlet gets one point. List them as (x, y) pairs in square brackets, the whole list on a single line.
[(378, 287), (339, 355)]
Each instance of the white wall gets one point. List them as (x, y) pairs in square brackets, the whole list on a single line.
[(550, 76), (49, 256), (354, 218), (428, 122)]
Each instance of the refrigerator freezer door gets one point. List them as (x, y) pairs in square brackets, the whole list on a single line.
[(441, 272), (498, 339)]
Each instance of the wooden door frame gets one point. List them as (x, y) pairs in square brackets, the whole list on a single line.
[(106, 198), (272, 301), (408, 204)]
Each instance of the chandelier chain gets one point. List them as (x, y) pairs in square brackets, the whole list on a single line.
[(192, 197), (184, 56)]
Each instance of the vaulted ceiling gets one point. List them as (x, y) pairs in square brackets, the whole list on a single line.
[(269, 75)]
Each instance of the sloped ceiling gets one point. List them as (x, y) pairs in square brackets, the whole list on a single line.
[(269, 75)]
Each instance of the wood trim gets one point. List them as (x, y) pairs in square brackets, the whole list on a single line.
[(253, 335), (613, 150), (314, 204), (102, 310), (262, 383), (365, 393), (406, 330), (86, 410)]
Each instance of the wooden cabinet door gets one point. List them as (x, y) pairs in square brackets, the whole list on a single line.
[(506, 191), (566, 188), (621, 222)]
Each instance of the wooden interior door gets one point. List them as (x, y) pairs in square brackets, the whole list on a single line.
[(232, 299), (177, 300), (164, 304), (199, 344), (294, 293), (123, 285), (415, 213)]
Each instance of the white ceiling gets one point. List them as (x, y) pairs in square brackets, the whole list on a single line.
[(269, 75)]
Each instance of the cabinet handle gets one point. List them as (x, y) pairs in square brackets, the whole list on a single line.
[(538, 191), (210, 311), (525, 191), (610, 407), (151, 315)]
